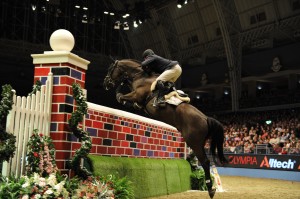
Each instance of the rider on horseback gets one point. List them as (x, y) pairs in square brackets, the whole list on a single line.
[(169, 72)]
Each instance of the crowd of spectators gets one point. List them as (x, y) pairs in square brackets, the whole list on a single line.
[(278, 130)]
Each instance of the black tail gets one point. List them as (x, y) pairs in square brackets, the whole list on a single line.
[(215, 129)]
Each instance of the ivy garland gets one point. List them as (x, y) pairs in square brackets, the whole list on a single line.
[(36, 87), (7, 140), (86, 143)]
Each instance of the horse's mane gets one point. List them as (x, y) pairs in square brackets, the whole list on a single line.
[(134, 60)]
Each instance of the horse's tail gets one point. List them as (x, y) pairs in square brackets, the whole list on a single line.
[(215, 129)]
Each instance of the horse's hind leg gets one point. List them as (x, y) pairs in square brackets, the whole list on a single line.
[(205, 163)]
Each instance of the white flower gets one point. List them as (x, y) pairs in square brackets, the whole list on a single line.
[(26, 184), (37, 196), (49, 192), (51, 180), (36, 178), (59, 187), (25, 197), (42, 182)]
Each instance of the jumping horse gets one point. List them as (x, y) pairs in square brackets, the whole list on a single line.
[(194, 126)]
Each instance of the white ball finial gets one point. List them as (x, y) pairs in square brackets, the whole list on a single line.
[(62, 40)]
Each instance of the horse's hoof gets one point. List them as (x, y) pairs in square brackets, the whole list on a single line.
[(211, 192)]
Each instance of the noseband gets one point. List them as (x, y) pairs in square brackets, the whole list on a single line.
[(115, 66)]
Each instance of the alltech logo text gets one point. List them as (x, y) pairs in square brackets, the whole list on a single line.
[(277, 164)]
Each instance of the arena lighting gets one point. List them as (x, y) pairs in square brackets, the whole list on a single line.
[(85, 8), (180, 3), (77, 6), (33, 7), (117, 25), (268, 121), (126, 27), (111, 13), (135, 24), (105, 12), (226, 92), (84, 19), (259, 87)]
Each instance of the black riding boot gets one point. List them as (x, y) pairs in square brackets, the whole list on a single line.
[(162, 91)]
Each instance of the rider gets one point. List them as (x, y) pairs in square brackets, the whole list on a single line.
[(169, 72)]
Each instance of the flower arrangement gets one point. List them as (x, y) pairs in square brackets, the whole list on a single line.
[(37, 186), (40, 155)]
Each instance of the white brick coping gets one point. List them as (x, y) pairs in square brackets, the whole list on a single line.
[(125, 114)]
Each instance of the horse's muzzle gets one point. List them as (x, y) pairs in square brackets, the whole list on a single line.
[(108, 83)]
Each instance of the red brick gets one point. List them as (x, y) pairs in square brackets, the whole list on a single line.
[(121, 136), (75, 146), (101, 149), (96, 141), (41, 71), (111, 150), (54, 108), (62, 155), (58, 136), (88, 123), (117, 128), (59, 145), (102, 133), (116, 143), (60, 89), (143, 153), (93, 149), (126, 129), (139, 145), (58, 117), (98, 125), (112, 134), (146, 146), (129, 151), (156, 141), (153, 147), (60, 164), (58, 98), (120, 151), (124, 143), (134, 131), (137, 138)]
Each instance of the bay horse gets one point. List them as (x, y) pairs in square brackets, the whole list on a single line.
[(194, 126)]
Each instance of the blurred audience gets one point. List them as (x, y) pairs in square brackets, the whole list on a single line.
[(278, 131)]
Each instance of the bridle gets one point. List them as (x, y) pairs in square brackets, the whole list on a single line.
[(125, 75)]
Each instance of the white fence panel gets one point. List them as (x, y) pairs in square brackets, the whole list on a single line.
[(27, 114)]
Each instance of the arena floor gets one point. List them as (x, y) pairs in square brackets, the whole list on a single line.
[(246, 188)]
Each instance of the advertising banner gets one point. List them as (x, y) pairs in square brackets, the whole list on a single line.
[(274, 162)]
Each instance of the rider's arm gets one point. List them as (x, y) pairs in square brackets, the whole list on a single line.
[(147, 61)]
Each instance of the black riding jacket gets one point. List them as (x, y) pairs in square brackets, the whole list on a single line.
[(157, 64)]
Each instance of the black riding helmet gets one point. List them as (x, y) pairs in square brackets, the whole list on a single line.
[(147, 52)]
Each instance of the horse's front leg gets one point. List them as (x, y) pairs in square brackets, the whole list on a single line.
[(121, 98)]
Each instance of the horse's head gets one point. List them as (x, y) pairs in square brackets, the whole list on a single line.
[(120, 71)]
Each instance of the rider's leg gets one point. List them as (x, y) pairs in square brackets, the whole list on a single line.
[(162, 91)]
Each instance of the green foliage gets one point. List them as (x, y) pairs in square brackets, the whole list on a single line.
[(123, 188), (40, 155), (86, 142), (198, 180), (153, 176), (7, 140), (9, 187), (36, 87)]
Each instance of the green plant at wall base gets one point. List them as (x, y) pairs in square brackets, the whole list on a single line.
[(40, 155), (123, 188), (10, 187), (198, 180), (86, 143), (7, 140)]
